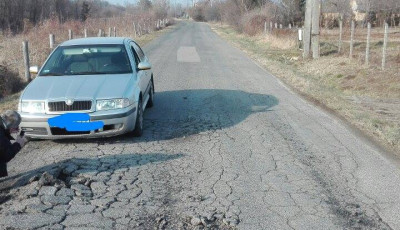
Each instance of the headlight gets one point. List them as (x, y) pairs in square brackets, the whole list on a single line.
[(32, 107), (112, 104)]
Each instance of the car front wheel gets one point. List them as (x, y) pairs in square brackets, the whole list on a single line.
[(138, 131), (150, 103)]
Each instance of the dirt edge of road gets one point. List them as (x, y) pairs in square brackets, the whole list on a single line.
[(283, 71)]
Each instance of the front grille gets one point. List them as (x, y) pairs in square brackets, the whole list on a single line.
[(61, 106), (59, 131)]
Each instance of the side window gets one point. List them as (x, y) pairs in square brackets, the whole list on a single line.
[(135, 55), (139, 51)]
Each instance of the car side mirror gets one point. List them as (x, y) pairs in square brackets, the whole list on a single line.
[(144, 65), (34, 69)]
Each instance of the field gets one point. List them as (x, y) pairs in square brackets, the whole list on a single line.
[(366, 96)]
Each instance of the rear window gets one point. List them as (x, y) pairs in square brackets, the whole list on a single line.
[(87, 60)]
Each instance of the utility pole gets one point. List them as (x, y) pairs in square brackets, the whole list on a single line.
[(311, 28), (316, 12), (307, 29)]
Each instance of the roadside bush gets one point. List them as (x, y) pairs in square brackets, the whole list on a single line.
[(170, 22), (253, 23), (231, 14), (212, 14), (198, 14), (204, 12), (9, 81)]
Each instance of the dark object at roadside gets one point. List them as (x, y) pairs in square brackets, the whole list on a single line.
[(10, 120), (9, 81), (7, 150)]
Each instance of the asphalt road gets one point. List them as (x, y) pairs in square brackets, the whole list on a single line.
[(226, 146)]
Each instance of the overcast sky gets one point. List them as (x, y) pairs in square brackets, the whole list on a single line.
[(121, 2)]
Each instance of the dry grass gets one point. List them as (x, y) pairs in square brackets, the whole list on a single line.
[(10, 102), (366, 96), (285, 43)]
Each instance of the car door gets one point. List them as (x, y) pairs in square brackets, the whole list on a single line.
[(141, 74), (142, 57)]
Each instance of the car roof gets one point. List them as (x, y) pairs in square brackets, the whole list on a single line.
[(95, 41)]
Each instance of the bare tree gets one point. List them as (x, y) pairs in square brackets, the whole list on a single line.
[(15, 13)]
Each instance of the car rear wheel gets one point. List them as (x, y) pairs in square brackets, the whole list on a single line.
[(138, 131)]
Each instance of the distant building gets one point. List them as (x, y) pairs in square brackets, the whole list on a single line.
[(333, 11), (358, 11)]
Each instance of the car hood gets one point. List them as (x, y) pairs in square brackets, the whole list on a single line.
[(77, 87)]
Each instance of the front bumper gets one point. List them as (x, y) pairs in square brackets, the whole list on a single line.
[(116, 122)]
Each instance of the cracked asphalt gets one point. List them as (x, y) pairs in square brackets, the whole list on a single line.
[(226, 146)]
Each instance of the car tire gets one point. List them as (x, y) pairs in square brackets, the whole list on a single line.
[(138, 131), (150, 103)]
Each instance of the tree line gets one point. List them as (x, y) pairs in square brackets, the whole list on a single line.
[(17, 15), (246, 15)]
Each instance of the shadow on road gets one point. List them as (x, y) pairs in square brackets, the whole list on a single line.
[(176, 114), (70, 168), (182, 113)]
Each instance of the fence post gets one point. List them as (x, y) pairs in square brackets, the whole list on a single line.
[(109, 31), (265, 27), (300, 33), (290, 25), (25, 49), (340, 33), (352, 38), (280, 26), (134, 29), (85, 32), (115, 31), (276, 25), (100, 33), (368, 42), (385, 40), (51, 38), (270, 26), (70, 35)]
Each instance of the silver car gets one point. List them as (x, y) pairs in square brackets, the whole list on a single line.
[(107, 79)]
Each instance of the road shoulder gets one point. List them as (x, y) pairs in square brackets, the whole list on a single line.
[(381, 130)]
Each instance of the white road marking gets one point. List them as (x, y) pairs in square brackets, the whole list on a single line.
[(187, 54)]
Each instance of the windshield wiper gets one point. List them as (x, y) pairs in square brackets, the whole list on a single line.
[(52, 74), (88, 73)]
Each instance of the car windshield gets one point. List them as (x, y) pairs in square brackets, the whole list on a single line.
[(87, 60)]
